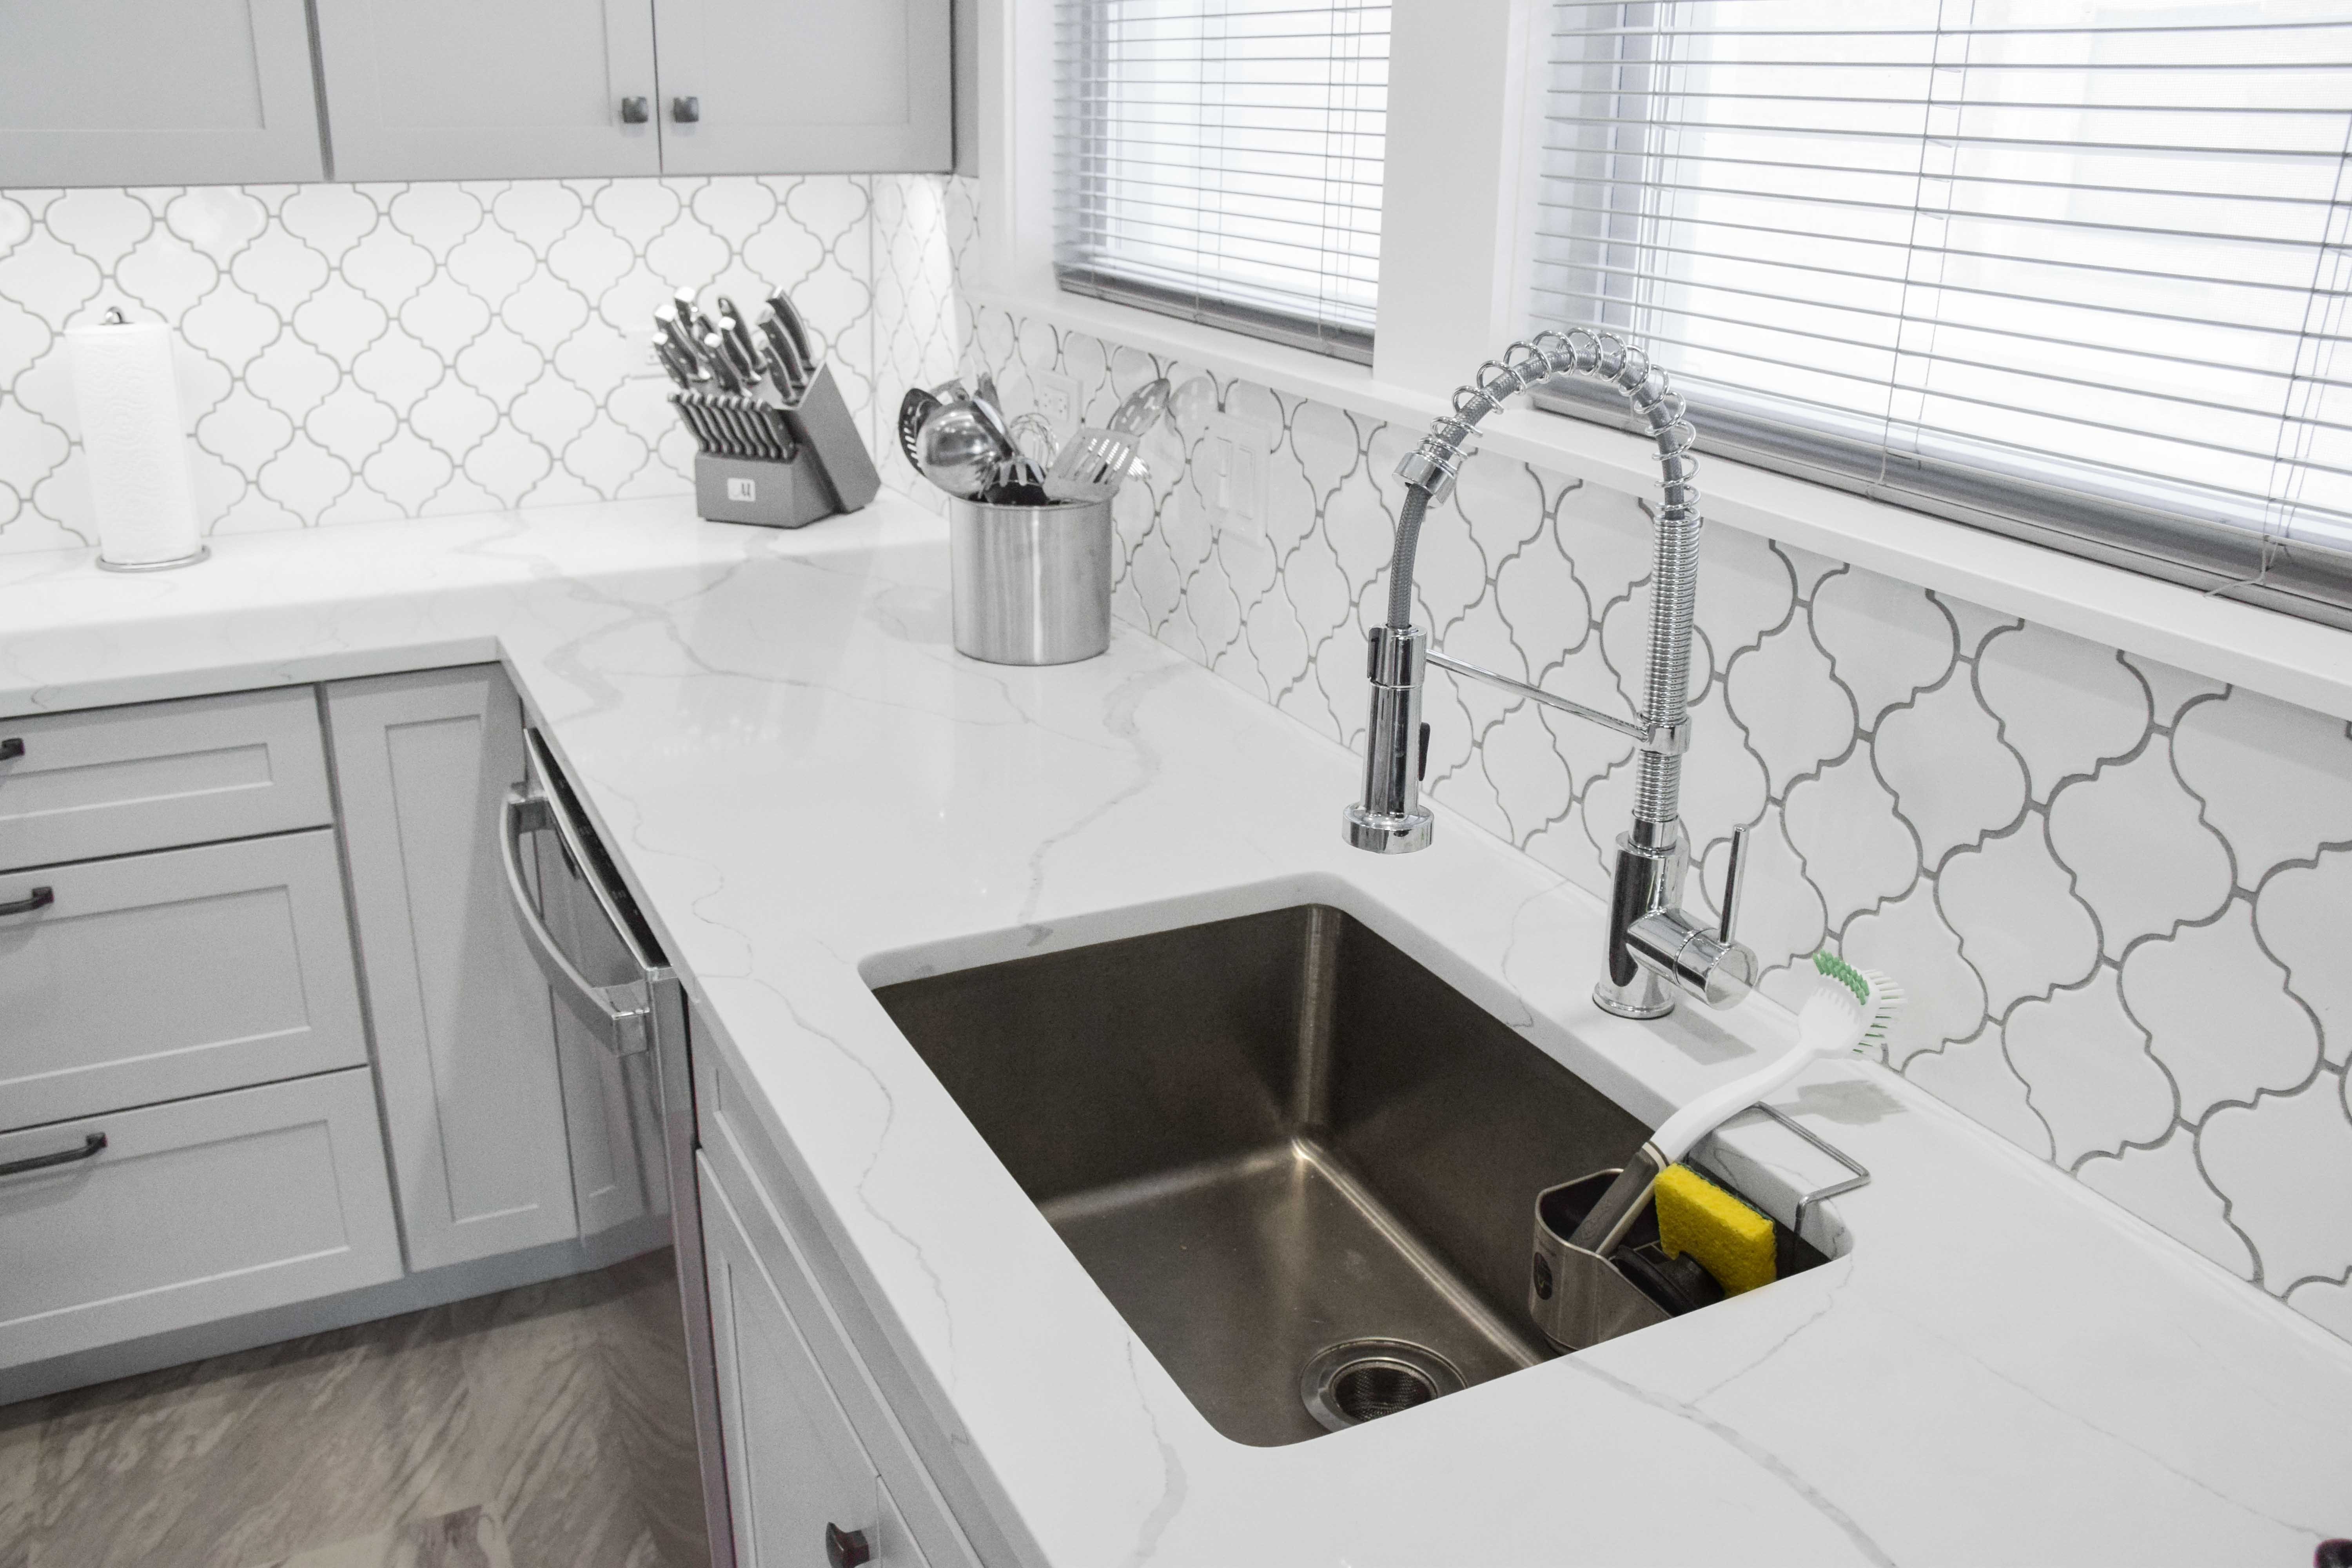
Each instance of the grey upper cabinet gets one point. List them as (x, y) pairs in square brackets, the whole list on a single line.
[(459, 90), (805, 86), (174, 92)]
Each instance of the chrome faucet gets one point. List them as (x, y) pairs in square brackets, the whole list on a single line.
[(1654, 942)]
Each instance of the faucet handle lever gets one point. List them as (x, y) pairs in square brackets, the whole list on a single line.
[(1735, 880)]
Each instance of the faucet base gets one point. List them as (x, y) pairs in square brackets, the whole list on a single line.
[(1384, 833), (1645, 997)]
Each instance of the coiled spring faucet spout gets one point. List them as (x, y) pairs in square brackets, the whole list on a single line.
[(1654, 942)]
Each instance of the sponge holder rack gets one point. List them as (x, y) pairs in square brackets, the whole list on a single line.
[(1580, 1299)]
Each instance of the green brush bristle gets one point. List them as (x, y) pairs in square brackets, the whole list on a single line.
[(1844, 973)]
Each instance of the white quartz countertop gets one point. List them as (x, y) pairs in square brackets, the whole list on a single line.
[(810, 792)]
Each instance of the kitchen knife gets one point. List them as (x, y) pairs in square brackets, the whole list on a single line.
[(691, 412), (682, 370), (737, 327), (716, 359), (678, 333), (785, 353), (803, 340), (742, 357)]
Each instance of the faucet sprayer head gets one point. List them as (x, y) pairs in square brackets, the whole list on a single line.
[(1390, 820)]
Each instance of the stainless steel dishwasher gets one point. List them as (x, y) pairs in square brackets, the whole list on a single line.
[(617, 990)]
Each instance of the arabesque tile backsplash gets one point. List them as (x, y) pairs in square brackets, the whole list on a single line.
[(2118, 894), (350, 353)]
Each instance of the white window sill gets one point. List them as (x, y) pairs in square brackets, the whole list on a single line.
[(2296, 661)]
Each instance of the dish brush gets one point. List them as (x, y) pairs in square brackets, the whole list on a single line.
[(1850, 1010)]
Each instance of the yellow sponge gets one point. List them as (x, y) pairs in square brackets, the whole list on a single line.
[(1732, 1241)]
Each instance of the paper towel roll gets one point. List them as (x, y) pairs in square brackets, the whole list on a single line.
[(132, 445)]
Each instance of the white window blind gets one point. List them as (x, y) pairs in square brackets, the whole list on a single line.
[(1220, 160), (2071, 268)]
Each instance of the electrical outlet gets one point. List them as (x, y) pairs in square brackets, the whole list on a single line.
[(1229, 475), (1057, 399)]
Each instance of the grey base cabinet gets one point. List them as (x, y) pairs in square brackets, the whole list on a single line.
[(464, 1038), (799, 1484)]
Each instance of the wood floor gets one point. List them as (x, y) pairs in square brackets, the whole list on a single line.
[(544, 1427)]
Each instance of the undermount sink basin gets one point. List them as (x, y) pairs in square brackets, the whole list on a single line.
[(1270, 1138)]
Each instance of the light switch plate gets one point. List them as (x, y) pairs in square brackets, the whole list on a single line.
[(1228, 475), (1057, 399)]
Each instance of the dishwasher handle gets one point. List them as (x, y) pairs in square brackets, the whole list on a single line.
[(621, 1016)]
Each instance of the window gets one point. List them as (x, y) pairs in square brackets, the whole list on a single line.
[(1220, 160), (2074, 269)]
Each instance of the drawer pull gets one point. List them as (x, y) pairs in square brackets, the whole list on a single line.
[(89, 1150), (11, 749), (846, 1548), (38, 898)]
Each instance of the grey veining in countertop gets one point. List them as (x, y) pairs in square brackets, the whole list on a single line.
[(812, 794)]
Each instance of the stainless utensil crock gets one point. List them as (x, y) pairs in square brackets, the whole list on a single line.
[(1031, 583)]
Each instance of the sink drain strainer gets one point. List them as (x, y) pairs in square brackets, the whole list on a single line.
[(1362, 1380)]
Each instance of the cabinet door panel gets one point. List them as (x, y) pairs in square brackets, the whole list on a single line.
[(807, 86), (192, 1211), (156, 92), (464, 1039), (153, 976), (794, 1465), (460, 90)]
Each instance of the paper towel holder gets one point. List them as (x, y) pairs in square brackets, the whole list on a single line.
[(115, 318)]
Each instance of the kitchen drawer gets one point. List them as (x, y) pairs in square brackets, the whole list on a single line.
[(196, 1210), (111, 781), (153, 977), (749, 1207), (798, 1479)]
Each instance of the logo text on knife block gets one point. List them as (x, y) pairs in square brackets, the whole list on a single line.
[(742, 490)]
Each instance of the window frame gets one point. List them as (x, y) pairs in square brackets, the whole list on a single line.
[(1457, 226)]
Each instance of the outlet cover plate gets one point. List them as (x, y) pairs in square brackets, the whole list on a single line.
[(1228, 475), (1057, 399)]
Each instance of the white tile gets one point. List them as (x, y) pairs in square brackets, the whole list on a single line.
[(2284, 1163), (1974, 1077), (1885, 639), (2303, 914), (2066, 704), (1857, 849), (2327, 1302), (2276, 781), (2171, 689), (1796, 715), (2218, 1014), (1953, 778), (2021, 925), (2164, 1187), (2142, 856), (103, 225), (2087, 1070)]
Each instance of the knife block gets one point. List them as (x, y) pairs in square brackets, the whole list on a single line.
[(756, 491), (830, 472)]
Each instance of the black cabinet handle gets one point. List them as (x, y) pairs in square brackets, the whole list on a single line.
[(89, 1150), (685, 110), (846, 1548), (635, 112), (38, 898), (11, 749)]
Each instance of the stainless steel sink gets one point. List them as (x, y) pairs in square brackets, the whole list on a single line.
[(1270, 1137)]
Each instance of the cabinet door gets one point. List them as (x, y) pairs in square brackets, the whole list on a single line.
[(806, 86), (156, 92), (795, 1470), (463, 90), (465, 1040), (189, 1212)]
